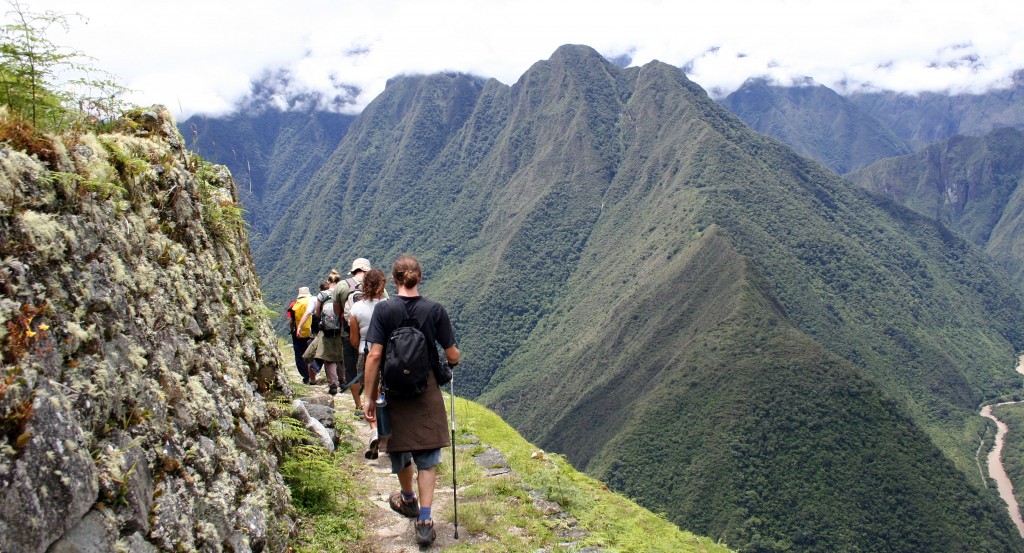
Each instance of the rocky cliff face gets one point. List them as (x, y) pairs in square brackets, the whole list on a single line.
[(135, 352)]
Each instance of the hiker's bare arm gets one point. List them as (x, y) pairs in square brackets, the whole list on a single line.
[(453, 355), (370, 378), (353, 329), (298, 327), (309, 313)]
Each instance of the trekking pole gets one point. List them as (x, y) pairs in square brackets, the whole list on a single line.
[(455, 494), (350, 384)]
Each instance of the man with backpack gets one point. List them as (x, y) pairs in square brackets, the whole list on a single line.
[(403, 335), (346, 293)]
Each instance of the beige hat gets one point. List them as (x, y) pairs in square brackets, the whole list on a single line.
[(304, 292), (361, 264)]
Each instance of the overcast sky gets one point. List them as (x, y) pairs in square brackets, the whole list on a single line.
[(201, 56)]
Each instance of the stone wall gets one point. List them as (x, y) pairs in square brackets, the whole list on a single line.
[(136, 352)]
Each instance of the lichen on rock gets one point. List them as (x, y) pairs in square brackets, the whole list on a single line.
[(135, 352)]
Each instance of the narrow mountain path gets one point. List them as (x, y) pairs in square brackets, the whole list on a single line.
[(386, 530), (995, 463)]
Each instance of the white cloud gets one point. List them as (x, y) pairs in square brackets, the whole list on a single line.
[(202, 55)]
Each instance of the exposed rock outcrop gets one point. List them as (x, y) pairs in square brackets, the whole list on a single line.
[(135, 353)]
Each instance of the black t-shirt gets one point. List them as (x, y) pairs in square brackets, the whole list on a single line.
[(433, 319)]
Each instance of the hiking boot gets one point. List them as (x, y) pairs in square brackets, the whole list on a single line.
[(332, 389), (409, 509), (425, 534)]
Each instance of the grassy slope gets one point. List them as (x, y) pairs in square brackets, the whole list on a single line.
[(614, 521)]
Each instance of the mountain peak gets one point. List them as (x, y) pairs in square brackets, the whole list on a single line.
[(576, 52)]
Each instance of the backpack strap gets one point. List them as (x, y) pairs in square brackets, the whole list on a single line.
[(320, 297)]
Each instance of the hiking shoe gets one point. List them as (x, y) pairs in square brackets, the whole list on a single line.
[(358, 414), (425, 534), (312, 379), (409, 509), (332, 389), (372, 452)]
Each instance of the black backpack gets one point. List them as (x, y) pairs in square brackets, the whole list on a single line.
[(406, 358)]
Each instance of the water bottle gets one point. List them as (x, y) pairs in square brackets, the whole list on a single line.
[(383, 422)]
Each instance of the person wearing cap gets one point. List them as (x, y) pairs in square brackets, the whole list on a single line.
[(299, 325), (346, 293)]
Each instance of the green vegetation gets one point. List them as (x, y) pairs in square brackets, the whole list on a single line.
[(498, 510), (32, 76), (271, 154), (816, 122), (930, 117), (323, 491), (970, 184)]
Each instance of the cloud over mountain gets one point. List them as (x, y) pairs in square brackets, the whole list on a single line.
[(355, 47)]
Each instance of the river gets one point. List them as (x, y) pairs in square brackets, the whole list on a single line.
[(995, 461)]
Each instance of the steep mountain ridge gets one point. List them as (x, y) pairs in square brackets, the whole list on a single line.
[(815, 121), (560, 220), (930, 117)]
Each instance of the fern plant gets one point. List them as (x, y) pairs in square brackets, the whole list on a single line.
[(32, 70)]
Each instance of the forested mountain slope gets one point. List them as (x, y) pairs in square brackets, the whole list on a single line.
[(273, 154), (817, 122), (630, 267), (971, 184)]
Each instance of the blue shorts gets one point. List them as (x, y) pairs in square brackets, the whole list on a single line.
[(424, 459)]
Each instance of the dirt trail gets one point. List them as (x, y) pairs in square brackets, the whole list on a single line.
[(995, 463), (388, 531)]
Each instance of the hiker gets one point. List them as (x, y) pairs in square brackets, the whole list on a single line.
[(328, 340), (346, 293), (418, 425), (315, 365), (359, 324), (300, 334)]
